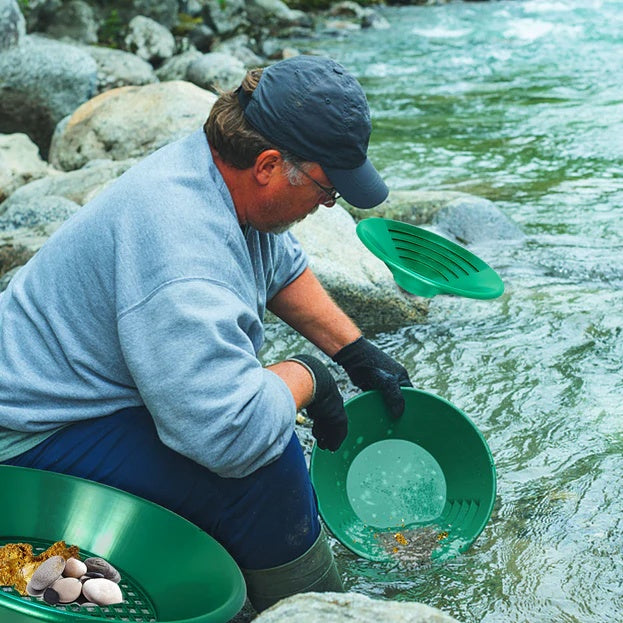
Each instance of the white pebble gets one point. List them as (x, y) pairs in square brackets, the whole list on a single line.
[(101, 591), (68, 589), (74, 568)]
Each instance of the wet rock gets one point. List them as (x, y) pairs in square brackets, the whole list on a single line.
[(102, 592), (74, 568), (67, 589), (99, 565), (47, 573)]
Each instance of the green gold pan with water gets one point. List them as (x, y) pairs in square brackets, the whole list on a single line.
[(431, 469), (426, 264), (171, 571)]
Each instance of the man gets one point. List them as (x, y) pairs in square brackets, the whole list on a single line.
[(128, 344)]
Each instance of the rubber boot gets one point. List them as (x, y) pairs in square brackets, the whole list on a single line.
[(315, 570)]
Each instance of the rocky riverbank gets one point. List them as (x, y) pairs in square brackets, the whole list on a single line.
[(86, 91)]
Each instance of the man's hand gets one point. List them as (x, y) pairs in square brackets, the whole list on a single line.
[(368, 367), (326, 408)]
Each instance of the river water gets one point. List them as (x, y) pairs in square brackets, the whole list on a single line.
[(521, 103)]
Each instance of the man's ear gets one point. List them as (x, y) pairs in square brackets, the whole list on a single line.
[(267, 164)]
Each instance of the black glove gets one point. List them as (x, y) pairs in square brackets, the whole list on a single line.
[(368, 367), (327, 406)]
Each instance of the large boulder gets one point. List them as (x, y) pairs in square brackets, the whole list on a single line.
[(360, 283), (31, 214), (130, 122), (20, 163), (12, 24), (340, 607), (42, 81)]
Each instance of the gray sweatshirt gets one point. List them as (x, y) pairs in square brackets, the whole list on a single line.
[(152, 294)]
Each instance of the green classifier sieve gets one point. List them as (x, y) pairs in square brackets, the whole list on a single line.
[(426, 264), (171, 570), (430, 469)]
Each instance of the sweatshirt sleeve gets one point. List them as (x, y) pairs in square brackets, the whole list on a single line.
[(187, 348)]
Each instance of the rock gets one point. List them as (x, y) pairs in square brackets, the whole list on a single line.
[(226, 18), (4, 282), (474, 219), (411, 206), (240, 48), (12, 24), (47, 573), (117, 68), (149, 40), (274, 15), (130, 122), (164, 12), (99, 565), (50, 596), (176, 67), (40, 212), (74, 568), (102, 592), (340, 607), (216, 71), (78, 186), (359, 282), (90, 575), (42, 81), (68, 589), (202, 37), (20, 163), (75, 20)]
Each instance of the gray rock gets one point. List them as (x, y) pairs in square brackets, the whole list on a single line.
[(117, 68), (47, 573), (99, 565), (42, 81), (75, 20), (340, 607), (12, 24), (50, 596), (130, 122), (20, 163), (276, 14), (473, 219), (202, 37), (67, 589), (164, 12), (360, 283), (240, 48), (176, 67), (216, 71), (226, 18), (78, 186), (38, 212), (102, 592), (149, 40)]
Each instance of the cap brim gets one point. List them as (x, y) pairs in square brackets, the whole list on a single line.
[(361, 187)]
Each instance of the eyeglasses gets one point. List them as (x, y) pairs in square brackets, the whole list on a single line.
[(330, 192)]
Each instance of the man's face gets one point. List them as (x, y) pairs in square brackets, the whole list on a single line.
[(290, 204)]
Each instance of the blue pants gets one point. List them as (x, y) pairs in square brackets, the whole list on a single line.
[(263, 520)]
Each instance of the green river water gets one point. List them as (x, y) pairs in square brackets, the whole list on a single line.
[(521, 103)]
